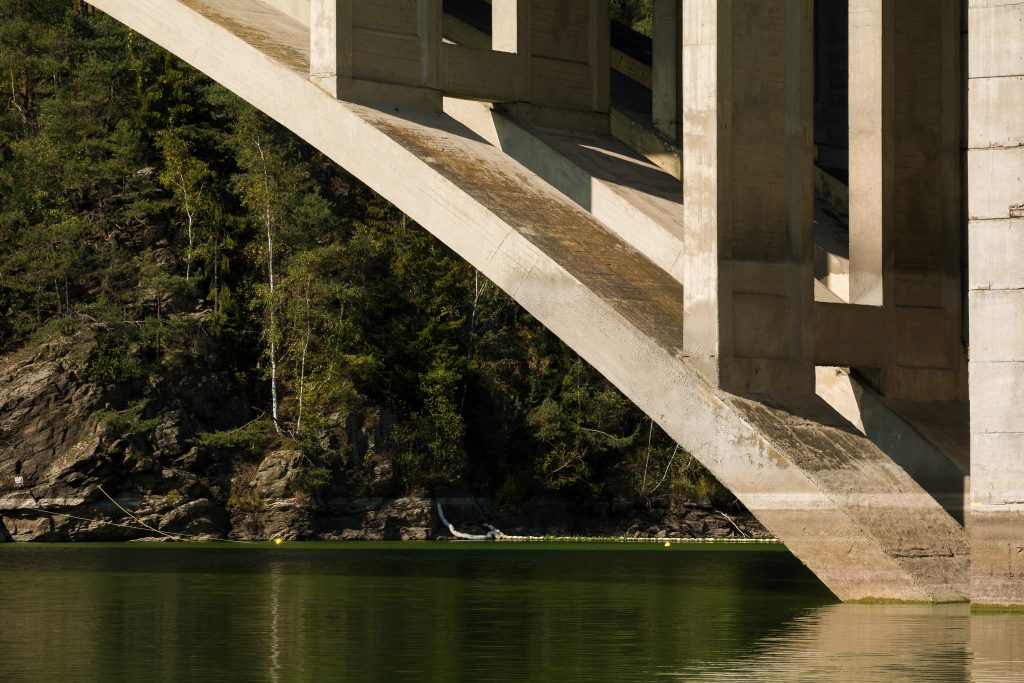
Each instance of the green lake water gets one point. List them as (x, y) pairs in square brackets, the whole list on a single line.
[(467, 612)]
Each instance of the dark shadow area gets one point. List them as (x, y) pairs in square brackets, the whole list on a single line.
[(431, 119), (831, 96), (603, 158), (472, 12), (793, 409)]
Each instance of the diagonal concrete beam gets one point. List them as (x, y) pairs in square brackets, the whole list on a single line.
[(840, 504)]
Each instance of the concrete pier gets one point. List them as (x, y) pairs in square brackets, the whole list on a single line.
[(996, 246), (681, 259)]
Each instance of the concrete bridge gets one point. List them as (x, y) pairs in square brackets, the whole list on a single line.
[(762, 226)]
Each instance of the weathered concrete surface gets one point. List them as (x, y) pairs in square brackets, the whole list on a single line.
[(632, 197), (840, 504), (997, 552), (929, 458), (996, 300)]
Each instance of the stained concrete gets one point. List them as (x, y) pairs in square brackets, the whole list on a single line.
[(996, 300), (845, 508), (906, 435)]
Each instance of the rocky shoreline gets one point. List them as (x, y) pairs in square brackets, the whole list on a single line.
[(70, 472), (408, 518)]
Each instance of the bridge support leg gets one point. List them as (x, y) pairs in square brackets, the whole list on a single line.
[(563, 48), (747, 164), (996, 299)]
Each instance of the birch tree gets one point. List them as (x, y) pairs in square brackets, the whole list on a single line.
[(282, 202), (186, 176)]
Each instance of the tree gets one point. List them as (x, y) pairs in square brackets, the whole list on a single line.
[(281, 200), (186, 177)]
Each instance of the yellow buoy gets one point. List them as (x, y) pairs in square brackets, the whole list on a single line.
[(278, 541), (668, 544)]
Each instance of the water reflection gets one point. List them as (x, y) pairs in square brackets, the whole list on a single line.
[(321, 612), (873, 643)]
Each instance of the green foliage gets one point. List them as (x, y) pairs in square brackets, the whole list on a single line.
[(634, 13), (130, 421), (112, 361), (250, 437), (313, 479)]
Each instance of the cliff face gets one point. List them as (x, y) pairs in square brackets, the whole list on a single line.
[(56, 450), (70, 469)]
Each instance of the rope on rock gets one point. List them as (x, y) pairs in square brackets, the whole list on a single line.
[(139, 526), (137, 520)]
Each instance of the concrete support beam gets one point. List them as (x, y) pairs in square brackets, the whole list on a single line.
[(905, 203), (929, 203), (996, 300), (747, 178), (330, 45)]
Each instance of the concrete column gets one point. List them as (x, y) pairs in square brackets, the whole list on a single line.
[(871, 60), (747, 164), (906, 201), (330, 44), (929, 361), (510, 26), (564, 52), (383, 53), (996, 300), (510, 32), (666, 69), (831, 104)]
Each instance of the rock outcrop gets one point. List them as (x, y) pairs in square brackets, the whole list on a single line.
[(267, 501), (66, 464), (78, 461)]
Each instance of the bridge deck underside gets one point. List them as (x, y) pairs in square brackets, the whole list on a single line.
[(837, 501)]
